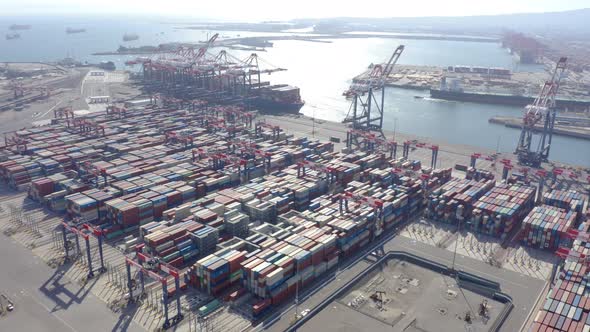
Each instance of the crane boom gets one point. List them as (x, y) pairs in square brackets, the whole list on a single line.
[(205, 47), (542, 108), (392, 61), (366, 109)]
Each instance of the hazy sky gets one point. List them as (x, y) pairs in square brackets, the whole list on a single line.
[(286, 9)]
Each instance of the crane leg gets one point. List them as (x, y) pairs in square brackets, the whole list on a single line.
[(89, 255), (129, 285), (165, 304), (65, 237)]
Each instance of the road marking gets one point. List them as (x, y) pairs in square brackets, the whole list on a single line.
[(84, 81), (51, 109), (477, 272)]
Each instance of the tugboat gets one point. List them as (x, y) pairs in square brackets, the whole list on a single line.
[(11, 36)]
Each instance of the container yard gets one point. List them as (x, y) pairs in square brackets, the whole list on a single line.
[(195, 210), (249, 218)]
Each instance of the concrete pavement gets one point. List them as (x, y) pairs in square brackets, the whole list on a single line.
[(45, 300), (523, 289)]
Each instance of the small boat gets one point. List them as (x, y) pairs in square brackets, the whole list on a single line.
[(74, 30), (419, 97), (11, 36)]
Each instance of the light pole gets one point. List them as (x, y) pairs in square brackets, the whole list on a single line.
[(456, 243), (297, 293), (313, 124), (394, 127)]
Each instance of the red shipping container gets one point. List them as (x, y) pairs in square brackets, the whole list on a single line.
[(260, 306), (219, 288), (181, 239), (177, 262), (168, 251), (234, 262)]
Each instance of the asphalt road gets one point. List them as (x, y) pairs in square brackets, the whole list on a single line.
[(43, 109), (46, 301)]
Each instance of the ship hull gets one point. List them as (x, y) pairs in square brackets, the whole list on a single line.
[(502, 99), (273, 107)]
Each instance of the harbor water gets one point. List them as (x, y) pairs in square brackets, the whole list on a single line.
[(322, 71)]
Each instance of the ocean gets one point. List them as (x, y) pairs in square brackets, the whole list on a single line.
[(322, 71)]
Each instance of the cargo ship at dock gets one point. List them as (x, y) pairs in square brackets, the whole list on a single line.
[(502, 99), (281, 98)]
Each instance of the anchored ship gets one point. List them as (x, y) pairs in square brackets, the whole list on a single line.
[(20, 27), (130, 37), (74, 30)]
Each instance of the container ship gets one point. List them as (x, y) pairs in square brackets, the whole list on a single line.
[(130, 37), (74, 30), (20, 27), (279, 98), (502, 99)]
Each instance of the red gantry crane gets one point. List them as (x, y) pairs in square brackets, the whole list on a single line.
[(369, 141), (276, 130), (252, 150), (374, 203), (163, 267), (330, 172), (433, 147)]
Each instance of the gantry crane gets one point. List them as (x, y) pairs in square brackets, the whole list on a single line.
[(478, 155), (330, 172), (276, 130), (374, 203), (200, 153), (542, 110), (84, 232), (113, 111), (161, 267), (433, 147), (89, 172), (366, 109), (252, 150), (63, 112), (12, 138)]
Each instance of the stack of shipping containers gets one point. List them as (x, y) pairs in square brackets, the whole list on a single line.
[(453, 202), (502, 209), (567, 305)]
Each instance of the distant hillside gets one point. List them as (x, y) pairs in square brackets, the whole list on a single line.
[(574, 23)]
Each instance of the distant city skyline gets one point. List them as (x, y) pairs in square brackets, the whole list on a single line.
[(280, 10)]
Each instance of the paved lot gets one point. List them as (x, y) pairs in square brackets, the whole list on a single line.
[(47, 301), (523, 289), (415, 298)]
